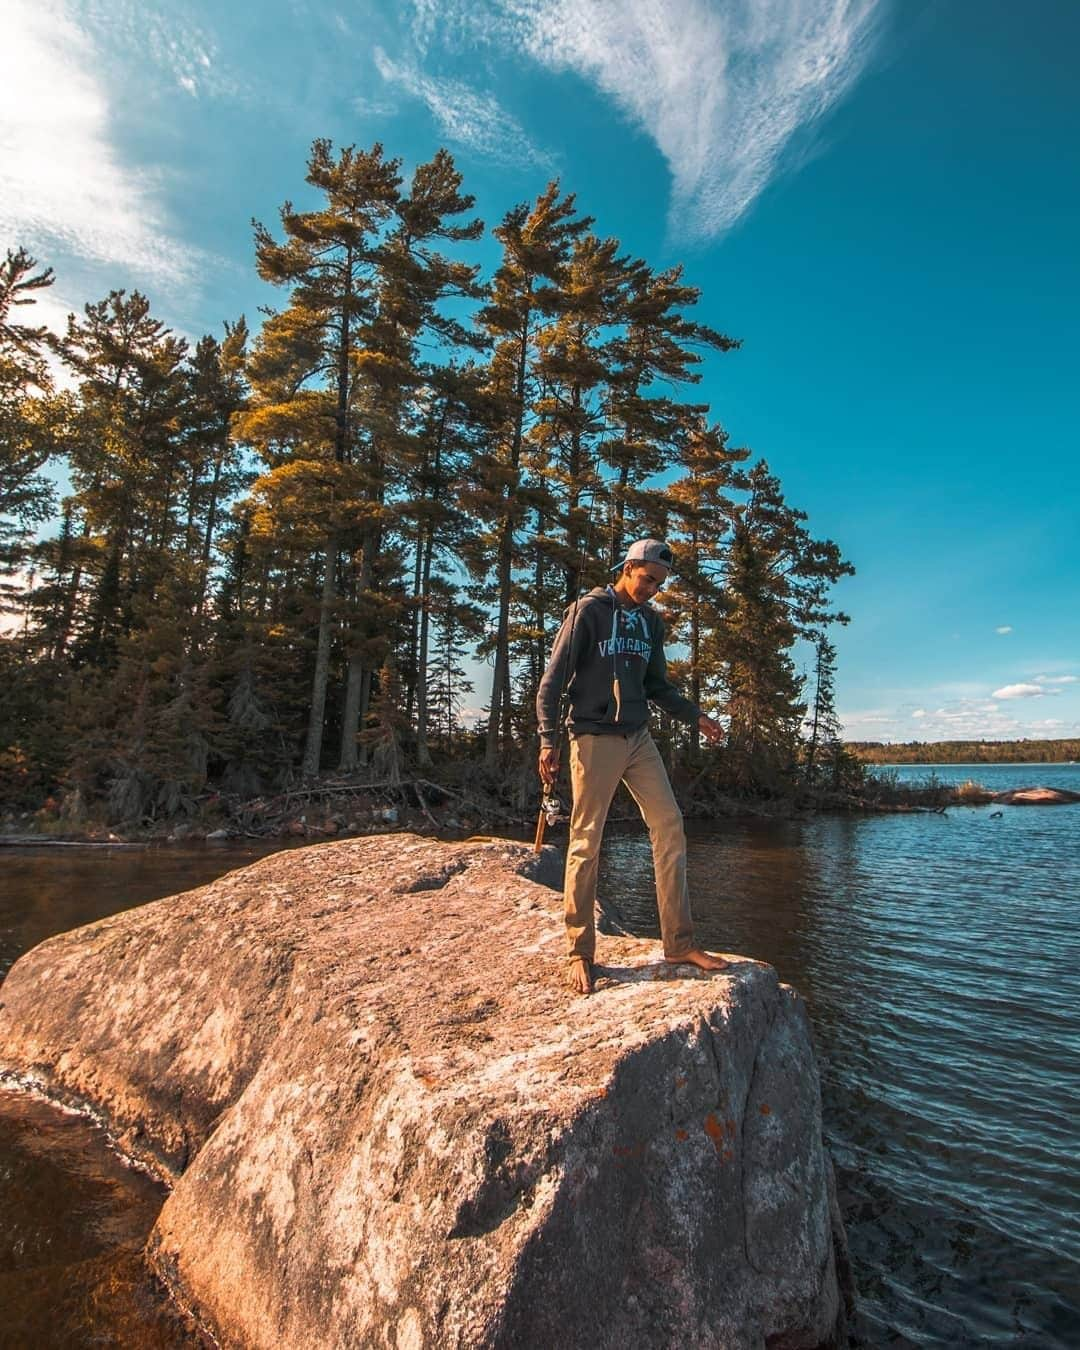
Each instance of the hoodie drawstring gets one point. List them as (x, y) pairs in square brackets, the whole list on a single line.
[(616, 687)]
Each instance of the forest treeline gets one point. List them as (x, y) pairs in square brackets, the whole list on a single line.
[(967, 752), (284, 550)]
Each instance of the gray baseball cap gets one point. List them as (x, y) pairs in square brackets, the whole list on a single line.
[(647, 551)]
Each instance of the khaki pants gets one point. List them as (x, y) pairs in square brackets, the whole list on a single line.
[(597, 765)]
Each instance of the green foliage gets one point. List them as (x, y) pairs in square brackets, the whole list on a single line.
[(32, 418), (339, 397), (967, 752)]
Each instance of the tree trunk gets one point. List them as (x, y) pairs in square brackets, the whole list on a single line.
[(539, 617), (359, 676), (208, 537), (500, 675), (412, 665), (313, 745), (499, 714), (366, 676), (423, 754), (695, 645), (350, 745)]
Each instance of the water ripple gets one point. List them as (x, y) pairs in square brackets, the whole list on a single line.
[(940, 961)]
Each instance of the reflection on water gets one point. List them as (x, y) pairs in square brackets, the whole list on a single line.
[(73, 1216), (939, 958), (74, 1220), (49, 890)]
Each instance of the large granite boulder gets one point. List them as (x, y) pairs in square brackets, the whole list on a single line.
[(388, 1123)]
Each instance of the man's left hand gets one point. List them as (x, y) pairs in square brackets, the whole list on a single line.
[(710, 729)]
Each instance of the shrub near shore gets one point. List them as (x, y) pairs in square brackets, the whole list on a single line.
[(460, 799)]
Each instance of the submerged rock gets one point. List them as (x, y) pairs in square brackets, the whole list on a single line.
[(387, 1122)]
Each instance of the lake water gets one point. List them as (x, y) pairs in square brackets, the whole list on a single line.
[(996, 777), (940, 959)]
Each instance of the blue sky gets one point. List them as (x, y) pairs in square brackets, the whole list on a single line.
[(880, 197)]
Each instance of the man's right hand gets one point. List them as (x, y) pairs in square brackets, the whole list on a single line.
[(549, 765)]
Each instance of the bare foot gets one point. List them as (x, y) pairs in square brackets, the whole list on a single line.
[(696, 957), (580, 975)]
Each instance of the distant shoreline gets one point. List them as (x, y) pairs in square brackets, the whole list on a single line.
[(1024, 753), (968, 763)]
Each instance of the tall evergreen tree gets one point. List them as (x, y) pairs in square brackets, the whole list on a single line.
[(126, 469), (302, 370), (24, 346), (414, 279), (32, 419), (455, 628), (212, 461), (823, 725), (333, 376), (537, 242), (658, 350), (702, 511), (778, 579), (450, 432)]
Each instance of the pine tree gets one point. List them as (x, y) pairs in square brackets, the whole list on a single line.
[(778, 578), (702, 511), (333, 378), (384, 737), (126, 469), (658, 349), (212, 459), (24, 346), (438, 528), (302, 370), (414, 279), (32, 418), (537, 244), (574, 368), (823, 725), (455, 626)]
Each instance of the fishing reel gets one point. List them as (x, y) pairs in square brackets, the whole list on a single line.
[(554, 811)]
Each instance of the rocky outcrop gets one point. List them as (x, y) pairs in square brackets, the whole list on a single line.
[(388, 1123), (1036, 796)]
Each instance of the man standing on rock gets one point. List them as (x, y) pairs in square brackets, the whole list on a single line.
[(609, 657)]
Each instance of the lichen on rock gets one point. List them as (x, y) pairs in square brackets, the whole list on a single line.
[(387, 1122)]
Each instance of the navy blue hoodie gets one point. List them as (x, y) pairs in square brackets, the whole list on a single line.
[(613, 670)]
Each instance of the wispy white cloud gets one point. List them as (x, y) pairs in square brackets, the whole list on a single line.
[(464, 116), (1020, 691), (1056, 679), (722, 90), (63, 186), (1005, 628), (865, 717), (165, 34), (373, 106), (959, 719)]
